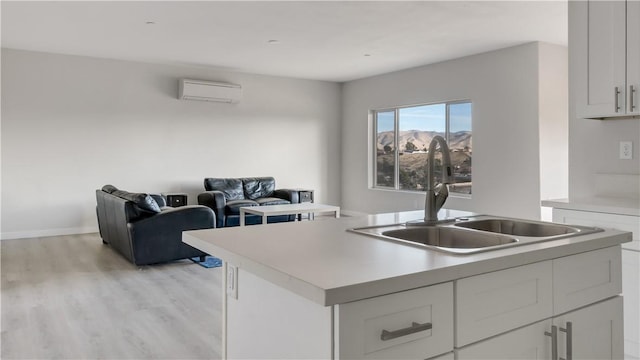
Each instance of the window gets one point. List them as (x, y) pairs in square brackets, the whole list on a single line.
[(402, 137)]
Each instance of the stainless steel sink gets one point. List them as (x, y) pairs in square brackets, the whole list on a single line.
[(473, 235), (448, 237), (519, 227)]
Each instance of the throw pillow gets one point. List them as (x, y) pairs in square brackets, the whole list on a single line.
[(143, 201), (109, 189)]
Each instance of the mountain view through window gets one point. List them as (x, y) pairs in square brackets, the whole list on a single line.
[(402, 138)]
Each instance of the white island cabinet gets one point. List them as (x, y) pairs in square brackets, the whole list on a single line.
[(595, 333), (622, 214), (315, 291), (550, 290)]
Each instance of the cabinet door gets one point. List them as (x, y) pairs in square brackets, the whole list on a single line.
[(633, 56), (631, 293), (594, 332), (597, 35), (529, 342)]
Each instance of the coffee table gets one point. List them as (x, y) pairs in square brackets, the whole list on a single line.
[(287, 209)]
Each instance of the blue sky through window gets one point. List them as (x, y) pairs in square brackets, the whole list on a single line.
[(429, 118), (460, 117)]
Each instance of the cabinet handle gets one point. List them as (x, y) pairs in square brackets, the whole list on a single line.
[(569, 340), (554, 342), (616, 93), (414, 328), (632, 91)]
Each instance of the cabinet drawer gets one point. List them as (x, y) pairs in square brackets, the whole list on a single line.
[(492, 303), (363, 323), (585, 278)]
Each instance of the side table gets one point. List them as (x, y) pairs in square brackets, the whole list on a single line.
[(305, 195), (176, 199)]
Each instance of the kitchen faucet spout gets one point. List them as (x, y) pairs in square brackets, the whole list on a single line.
[(437, 194)]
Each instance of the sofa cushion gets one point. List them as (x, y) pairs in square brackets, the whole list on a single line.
[(143, 201), (260, 187), (233, 206), (231, 188), (272, 201)]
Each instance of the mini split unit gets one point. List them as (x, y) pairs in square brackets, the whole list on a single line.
[(209, 91)]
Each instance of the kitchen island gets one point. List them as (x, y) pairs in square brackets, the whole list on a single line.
[(316, 290)]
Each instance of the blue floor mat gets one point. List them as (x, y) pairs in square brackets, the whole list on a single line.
[(209, 262)]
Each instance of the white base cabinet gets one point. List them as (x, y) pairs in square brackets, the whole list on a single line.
[(631, 292), (594, 332), (268, 322), (498, 315), (630, 266)]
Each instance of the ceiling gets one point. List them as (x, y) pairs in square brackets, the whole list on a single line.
[(320, 40)]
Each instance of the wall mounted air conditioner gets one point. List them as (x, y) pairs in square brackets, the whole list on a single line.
[(209, 91)]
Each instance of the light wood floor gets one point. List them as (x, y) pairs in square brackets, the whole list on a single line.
[(71, 297)]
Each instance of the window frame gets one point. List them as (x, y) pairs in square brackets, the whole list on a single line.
[(396, 152)]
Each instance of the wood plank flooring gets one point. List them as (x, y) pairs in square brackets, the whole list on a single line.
[(71, 297)]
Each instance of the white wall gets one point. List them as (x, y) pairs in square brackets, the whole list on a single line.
[(594, 151), (71, 124), (553, 93), (504, 88)]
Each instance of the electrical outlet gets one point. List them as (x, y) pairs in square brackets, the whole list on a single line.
[(626, 150), (232, 281)]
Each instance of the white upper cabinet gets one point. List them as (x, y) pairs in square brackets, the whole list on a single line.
[(604, 38), (633, 56)]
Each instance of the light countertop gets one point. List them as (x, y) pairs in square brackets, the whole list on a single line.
[(321, 261), (605, 204)]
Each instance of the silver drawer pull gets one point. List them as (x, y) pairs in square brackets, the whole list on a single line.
[(569, 331), (616, 93), (554, 342), (632, 92), (414, 328)]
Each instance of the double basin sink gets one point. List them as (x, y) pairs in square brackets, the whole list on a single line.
[(474, 234)]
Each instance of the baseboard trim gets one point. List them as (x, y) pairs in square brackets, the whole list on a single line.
[(45, 233)]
